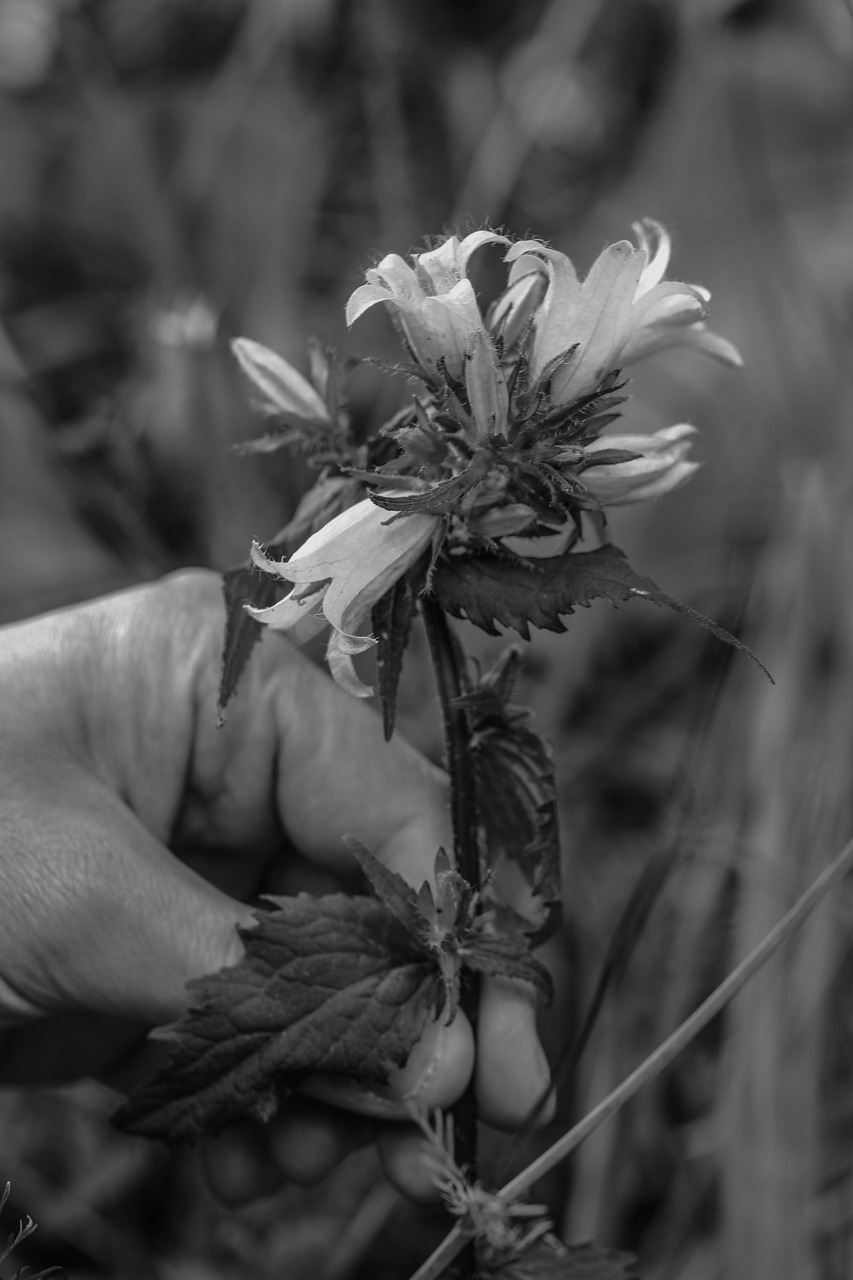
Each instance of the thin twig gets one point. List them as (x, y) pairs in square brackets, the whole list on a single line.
[(658, 1060)]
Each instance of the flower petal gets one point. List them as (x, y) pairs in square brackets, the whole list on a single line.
[(302, 619), (283, 387), (556, 317), (339, 656), (653, 239), (660, 466), (601, 322), (441, 265), (372, 558)]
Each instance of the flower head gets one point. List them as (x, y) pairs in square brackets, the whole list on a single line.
[(505, 448), (432, 300), (518, 398), (339, 574), (623, 310)]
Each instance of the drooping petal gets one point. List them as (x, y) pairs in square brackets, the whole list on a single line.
[(669, 303), (392, 281), (365, 297), (339, 655), (344, 569), (678, 435), (649, 339), (657, 486), (302, 619), (714, 344), (282, 386), (660, 465), (653, 239)]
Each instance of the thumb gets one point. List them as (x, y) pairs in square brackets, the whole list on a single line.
[(100, 917)]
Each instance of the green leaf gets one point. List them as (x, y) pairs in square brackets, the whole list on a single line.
[(240, 586), (392, 626), (391, 889), (516, 788), (439, 500), (446, 927), (549, 1260), (507, 956), (521, 593), (328, 985)]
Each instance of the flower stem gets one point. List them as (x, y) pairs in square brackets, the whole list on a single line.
[(448, 663)]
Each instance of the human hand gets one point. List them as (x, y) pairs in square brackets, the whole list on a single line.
[(133, 834)]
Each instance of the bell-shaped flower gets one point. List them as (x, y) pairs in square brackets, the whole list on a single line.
[(339, 574), (660, 465), (432, 301), (283, 388), (623, 310)]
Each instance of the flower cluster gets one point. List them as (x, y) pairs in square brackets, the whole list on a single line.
[(501, 448)]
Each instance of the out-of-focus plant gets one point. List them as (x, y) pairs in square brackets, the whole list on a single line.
[(473, 500)]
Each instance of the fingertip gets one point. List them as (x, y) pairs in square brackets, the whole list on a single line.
[(440, 1065), (401, 1150)]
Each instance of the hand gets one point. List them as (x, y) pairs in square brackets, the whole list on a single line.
[(133, 832)]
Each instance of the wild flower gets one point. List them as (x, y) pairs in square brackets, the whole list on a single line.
[(503, 448), (339, 574), (508, 436), (432, 301)]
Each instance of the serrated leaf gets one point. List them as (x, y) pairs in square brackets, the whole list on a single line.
[(517, 792), (507, 957), (391, 889), (330, 985), (523, 593), (438, 500), (392, 625), (240, 586), (549, 1260)]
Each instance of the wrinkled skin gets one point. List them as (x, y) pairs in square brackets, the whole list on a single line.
[(133, 834)]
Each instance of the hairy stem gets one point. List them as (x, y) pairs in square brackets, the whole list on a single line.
[(451, 683)]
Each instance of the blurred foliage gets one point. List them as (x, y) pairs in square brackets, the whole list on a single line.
[(178, 172)]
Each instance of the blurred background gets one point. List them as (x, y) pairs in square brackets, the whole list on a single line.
[(179, 172)]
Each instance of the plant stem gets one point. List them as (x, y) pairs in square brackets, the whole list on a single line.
[(451, 682), (657, 1061)]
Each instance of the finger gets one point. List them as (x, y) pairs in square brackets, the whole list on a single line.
[(303, 1144), (115, 925), (512, 1072), (338, 776), (401, 1149), (435, 1075)]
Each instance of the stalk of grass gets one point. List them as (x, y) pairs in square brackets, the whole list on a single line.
[(658, 1061), (793, 789)]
